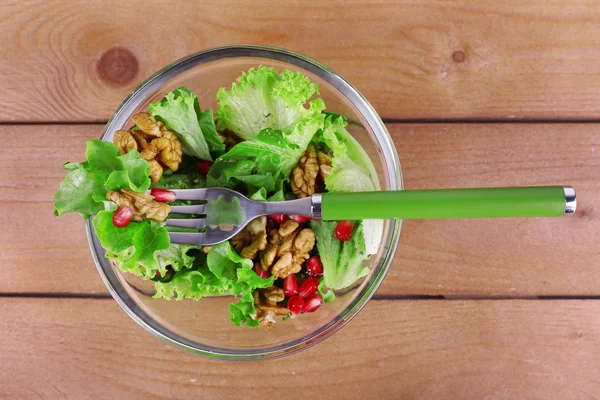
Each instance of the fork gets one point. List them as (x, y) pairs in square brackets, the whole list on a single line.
[(223, 213)]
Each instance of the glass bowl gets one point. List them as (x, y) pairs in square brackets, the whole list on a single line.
[(203, 327)]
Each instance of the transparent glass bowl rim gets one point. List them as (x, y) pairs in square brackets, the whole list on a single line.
[(388, 152)]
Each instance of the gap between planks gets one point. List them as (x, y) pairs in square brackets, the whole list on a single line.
[(508, 120), (50, 295)]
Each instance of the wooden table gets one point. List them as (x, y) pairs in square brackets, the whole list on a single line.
[(480, 93)]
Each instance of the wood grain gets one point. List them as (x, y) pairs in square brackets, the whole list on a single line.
[(393, 349), (511, 257), (76, 60), (39, 252), (503, 257)]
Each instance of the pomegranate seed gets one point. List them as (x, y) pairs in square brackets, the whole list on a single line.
[(279, 218), (312, 303), (163, 195), (343, 230), (309, 286), (295, 304), (261, 272), (290, 286), (299, 218), (271, 225), (157, 274), (204, 166), (122, 217), (314, 266)]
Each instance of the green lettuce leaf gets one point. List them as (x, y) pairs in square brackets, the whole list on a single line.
[(343, 262), (225, 272), (263, 99), (142, 248), (209, 129), (84, 188), (175, 256), (351, 168), (78, 191), (352, 171), (180, 111), (261, 195), (327, 294), (266, 161), (182, 181)]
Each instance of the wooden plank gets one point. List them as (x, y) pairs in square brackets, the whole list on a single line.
[(525, 257), (504, 257), (394, 349), (74, 61), (39, 252)]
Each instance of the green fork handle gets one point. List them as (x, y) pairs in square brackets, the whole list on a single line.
[(538, 201)]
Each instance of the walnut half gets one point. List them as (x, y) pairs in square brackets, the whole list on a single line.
[(324, 165), (252, 239), (156, 144), (125, 141), (148, 124), (287, 250), (304, 174), (265, 301), (142, 204)]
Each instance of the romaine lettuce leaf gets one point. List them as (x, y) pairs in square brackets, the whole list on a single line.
[(343, 262), (327, 294), (266, 161), (352, 171), (180, 111), (263, 99), (224, 272), (84, 188)]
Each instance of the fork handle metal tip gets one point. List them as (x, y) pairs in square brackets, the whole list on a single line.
[(537, 201), (570, 200)]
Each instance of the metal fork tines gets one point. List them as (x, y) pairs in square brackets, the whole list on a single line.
[(223, 213)]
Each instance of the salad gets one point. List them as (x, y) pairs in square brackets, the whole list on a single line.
[(270, 139)]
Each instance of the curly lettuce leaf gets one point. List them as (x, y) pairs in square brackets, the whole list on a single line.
[(224, 272), (266, 161), (343, 262), (247, 282), (142, 248), (261, 99), (84, 188), (175, 256), (180, 111), (194, 283)]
